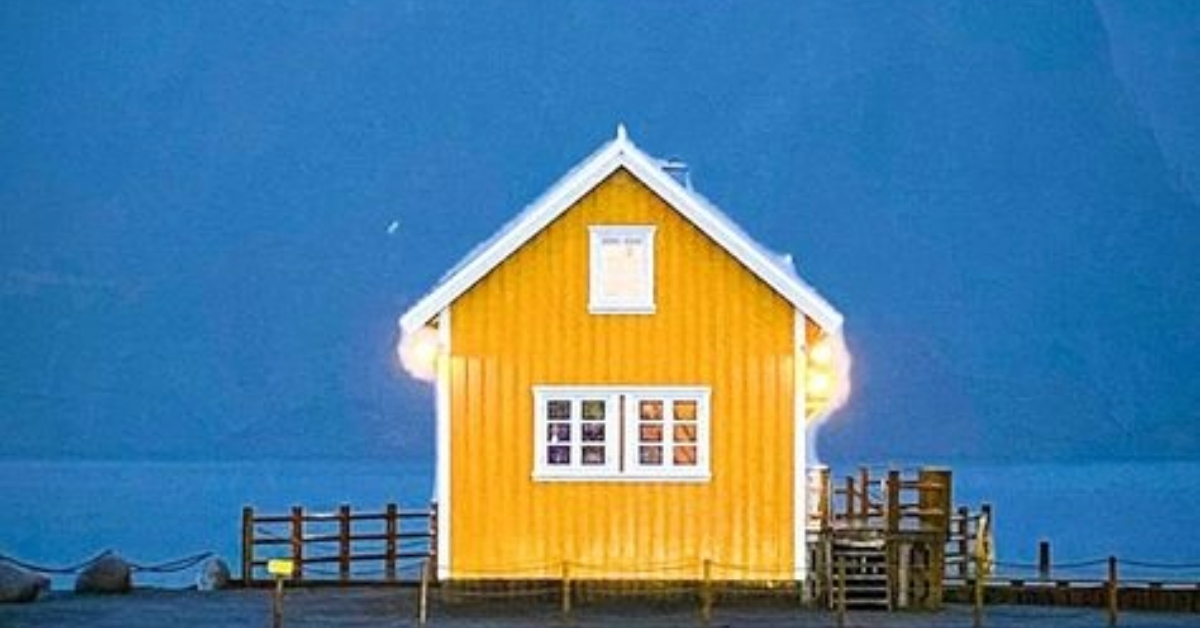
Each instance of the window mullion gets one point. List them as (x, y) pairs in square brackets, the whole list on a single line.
[(576, 423), (668, 433), (629, 433)]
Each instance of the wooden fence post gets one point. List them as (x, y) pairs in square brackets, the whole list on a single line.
[(433, 540), (247, 546), (963, 533), (825, 500), (1112, 590), (892, 510), (893, 501), (423, 602), (827, 570), (566, 590), (277, 604), (864, 504), (850, 500), (344, 543), (989, 539), (980, 573), (841, 591), (389, 553), (935, 504), (298, 542), (1043, 560)]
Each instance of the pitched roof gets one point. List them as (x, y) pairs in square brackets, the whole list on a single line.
[(775, 270)]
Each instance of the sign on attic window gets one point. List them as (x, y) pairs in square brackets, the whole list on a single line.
[(622, 270)]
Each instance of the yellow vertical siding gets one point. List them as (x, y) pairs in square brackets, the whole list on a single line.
[(527, 323)]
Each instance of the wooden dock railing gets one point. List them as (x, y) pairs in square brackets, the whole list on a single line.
[(342, 546), (895, 529), (889, 500), (970, 548)]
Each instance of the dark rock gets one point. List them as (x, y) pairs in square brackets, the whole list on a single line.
[(214, 575), (19, 585), (108, 574)]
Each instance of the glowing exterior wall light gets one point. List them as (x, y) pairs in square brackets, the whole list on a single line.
[(827, 376), (821, 354), (818, 383), (419, 352)]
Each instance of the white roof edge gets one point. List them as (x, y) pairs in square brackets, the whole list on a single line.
[(556, 200), (579, 181), (746, 251)]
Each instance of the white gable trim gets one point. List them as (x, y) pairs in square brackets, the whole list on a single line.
[(557, 200), (799, 448), (737, 244), (620, 152), (442, 480)]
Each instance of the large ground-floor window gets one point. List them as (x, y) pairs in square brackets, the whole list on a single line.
[(621, 433)]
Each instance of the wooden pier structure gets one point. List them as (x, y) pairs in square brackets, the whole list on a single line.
[(889, 539)]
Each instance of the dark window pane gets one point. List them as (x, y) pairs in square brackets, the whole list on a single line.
[(593, 455), (685, 410), (651, 433), (593, 410), (650, 455), (650, 410), (558, 454), (558, 432), (685, 433), (685, 456), (593, 432), (558, 409)]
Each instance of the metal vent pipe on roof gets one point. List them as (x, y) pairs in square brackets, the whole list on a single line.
[(679, 171)]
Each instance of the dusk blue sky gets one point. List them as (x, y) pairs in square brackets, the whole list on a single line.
[(195, 200)]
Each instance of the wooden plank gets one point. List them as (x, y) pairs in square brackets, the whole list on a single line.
[(298, 542)]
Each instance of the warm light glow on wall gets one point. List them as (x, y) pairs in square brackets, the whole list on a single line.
[(821, 354), (828, 376), (419, 352), (818, 383)]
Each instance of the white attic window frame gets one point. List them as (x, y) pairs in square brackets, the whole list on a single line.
[(627, 288)]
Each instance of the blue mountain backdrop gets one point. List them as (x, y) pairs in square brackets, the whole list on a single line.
[(212, 213)]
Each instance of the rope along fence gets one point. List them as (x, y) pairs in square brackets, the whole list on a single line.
[(1096, 582), (171, 566), (161, 569), (1110, 583), (706, 585)]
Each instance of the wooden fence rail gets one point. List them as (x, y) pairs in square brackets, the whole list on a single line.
[(890, 499), (343, 546)]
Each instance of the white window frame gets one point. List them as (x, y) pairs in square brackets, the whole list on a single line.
[(622, 430), (633, 466), (575, 396), (598, 302)]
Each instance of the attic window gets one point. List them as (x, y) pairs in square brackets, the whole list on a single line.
[(622, 270)]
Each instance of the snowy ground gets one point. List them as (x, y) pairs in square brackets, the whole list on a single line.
[(391, 607)]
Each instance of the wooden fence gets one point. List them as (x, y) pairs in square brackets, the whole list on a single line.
[(342, 546)]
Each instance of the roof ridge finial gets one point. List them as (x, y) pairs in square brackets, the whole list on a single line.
[(622, 135)]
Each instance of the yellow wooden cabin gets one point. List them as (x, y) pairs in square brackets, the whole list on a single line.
[(623, 382)]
